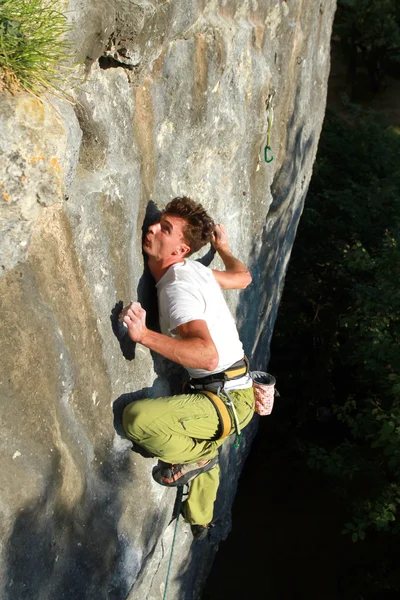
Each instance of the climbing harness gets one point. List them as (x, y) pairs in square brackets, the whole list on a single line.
[(270, 116), (213, 386), (225, 420), (177, 511)]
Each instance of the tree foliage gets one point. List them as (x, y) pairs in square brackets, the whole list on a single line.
[(369, 30), (338, 330)]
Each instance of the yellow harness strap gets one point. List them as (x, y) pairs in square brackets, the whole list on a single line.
[(231, 373), (225, 420)]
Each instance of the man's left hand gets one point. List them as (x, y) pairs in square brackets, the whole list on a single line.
[(135, 318), (220, 238)]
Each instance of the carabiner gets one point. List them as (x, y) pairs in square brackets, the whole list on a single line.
[(268, 160)]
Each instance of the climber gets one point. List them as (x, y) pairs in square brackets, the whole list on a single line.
[(198, 332)]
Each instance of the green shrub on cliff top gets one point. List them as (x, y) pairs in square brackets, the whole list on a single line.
[(32, 44)]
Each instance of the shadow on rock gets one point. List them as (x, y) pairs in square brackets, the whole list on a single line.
[(170, 375), (72, 551), (256, 315), (258, 308), (207, 259)]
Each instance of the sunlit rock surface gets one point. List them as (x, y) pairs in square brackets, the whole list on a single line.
[(170, 100)]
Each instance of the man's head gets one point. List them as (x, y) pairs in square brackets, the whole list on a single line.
[(199, 225), (184, 228)]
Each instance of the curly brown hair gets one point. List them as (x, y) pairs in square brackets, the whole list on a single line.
[(200, 226)]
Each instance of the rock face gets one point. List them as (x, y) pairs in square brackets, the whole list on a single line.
[(170, 101)]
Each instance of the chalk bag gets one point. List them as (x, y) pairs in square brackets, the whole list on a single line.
[(264, 392)]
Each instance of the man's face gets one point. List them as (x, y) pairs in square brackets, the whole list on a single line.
[(165, 239)]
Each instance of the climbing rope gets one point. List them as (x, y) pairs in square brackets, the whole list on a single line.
[(270, 117), (177, 511)]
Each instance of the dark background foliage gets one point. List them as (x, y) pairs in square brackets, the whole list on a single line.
[(336, 346), (317, 509)]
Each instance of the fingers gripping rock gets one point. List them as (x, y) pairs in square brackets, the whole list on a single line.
[(135, 319)]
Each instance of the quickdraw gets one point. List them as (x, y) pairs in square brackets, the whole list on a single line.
[(270, 116)]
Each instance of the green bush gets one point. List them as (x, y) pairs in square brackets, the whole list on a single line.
[(32, 44)]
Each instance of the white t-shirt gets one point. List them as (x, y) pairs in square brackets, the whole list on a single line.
[(189, 291)]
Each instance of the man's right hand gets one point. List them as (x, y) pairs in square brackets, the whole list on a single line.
[(124, 312), (135, 318)]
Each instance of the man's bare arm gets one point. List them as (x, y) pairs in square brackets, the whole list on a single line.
[(236, 275), (195, 349)]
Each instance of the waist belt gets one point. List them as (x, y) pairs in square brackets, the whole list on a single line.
[(236, 371)]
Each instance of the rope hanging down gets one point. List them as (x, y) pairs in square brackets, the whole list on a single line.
[(270, 117), (178, 505)]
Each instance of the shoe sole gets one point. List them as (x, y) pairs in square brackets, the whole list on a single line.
[(157, 476), (200, 532)]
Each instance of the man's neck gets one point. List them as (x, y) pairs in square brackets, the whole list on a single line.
[(158, 268)]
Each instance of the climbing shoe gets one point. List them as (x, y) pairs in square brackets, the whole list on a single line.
[(200, 532), (174, 475)]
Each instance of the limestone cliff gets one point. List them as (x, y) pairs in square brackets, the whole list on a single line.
[(170, 100)]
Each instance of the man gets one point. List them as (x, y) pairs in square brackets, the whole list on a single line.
[(198, 332)]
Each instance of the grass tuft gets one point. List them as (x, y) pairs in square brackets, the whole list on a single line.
[(32, 45)]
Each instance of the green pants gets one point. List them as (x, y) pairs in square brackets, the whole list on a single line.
[(180, 429)]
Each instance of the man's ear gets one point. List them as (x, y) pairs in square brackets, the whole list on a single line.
[(183, 249)]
